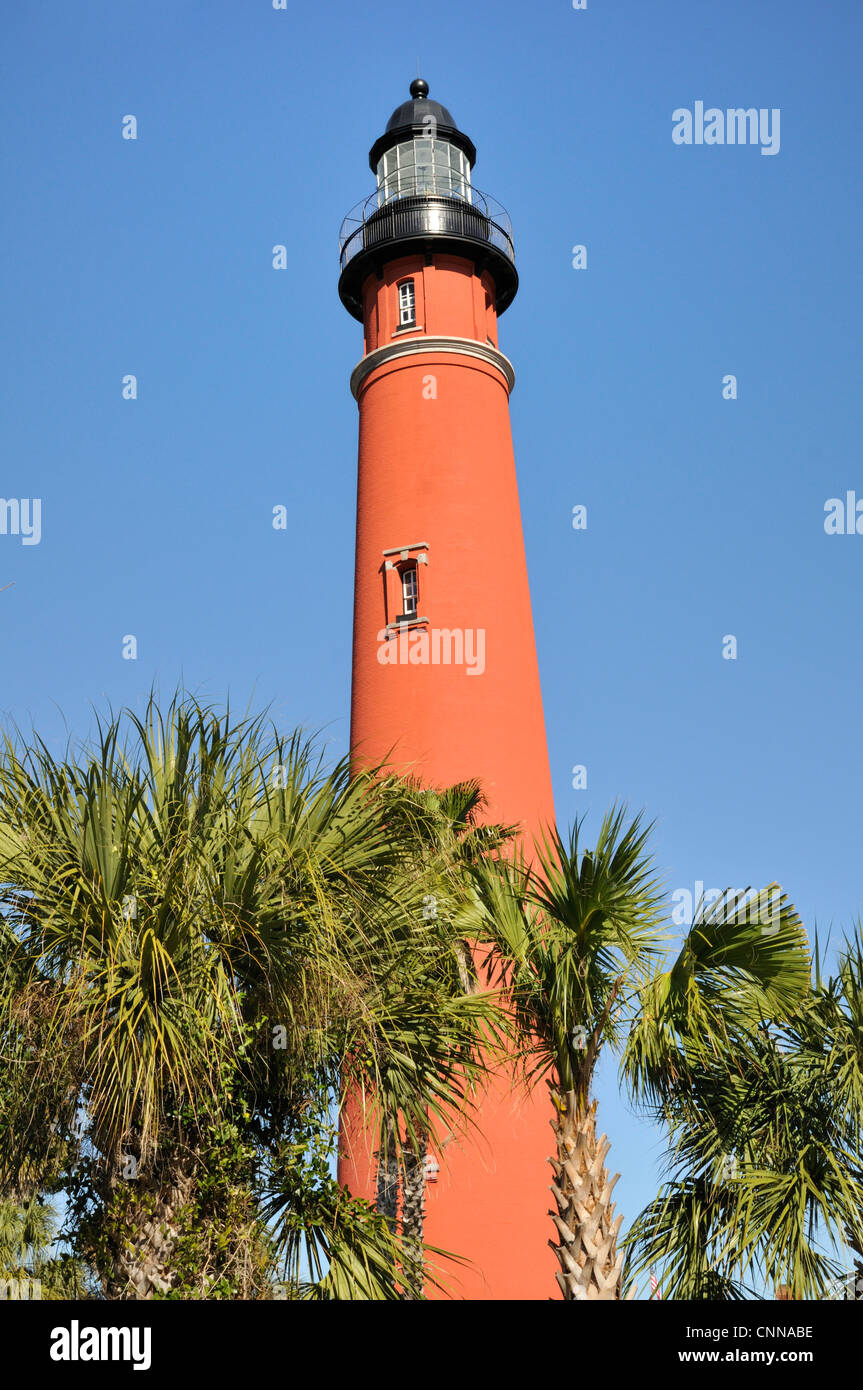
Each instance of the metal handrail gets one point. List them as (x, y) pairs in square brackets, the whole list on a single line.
[(387, 215)]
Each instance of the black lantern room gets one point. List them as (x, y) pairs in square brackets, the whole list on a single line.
[(425, 202)]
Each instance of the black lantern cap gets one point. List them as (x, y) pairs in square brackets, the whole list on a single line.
[(407, 122)]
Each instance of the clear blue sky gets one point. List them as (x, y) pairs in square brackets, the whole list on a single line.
[(153, 257)]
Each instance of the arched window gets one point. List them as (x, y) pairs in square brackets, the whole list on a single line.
[(407, 304)]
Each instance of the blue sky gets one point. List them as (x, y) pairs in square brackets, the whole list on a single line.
[(705, 515)]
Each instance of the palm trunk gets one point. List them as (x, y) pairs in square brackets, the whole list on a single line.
[(143, 1246), (413, 1217), (586, 1248), (388, 1178), (855, 1241)]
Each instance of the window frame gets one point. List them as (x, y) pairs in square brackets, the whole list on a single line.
[(406, 300), (410, 591)]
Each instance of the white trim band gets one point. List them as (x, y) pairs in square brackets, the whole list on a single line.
[(464, 347)]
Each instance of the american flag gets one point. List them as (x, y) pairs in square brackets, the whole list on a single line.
[(654, 1284)]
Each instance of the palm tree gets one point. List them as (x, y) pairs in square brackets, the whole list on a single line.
[(28, 1261), (758, 1078), (204, 934), (578, 945), (568, 938)]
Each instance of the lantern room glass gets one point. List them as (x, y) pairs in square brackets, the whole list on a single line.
[(422, 166)]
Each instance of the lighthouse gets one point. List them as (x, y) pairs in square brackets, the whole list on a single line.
[(445, 676)]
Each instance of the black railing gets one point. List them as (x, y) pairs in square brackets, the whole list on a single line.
[(379, 219)]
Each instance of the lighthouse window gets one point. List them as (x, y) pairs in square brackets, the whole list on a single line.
[(459, 173), (424, 160), (407, 305), (424, 165), (409, 592)]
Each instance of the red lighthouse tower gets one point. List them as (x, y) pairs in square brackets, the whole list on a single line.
[(445, 677)]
